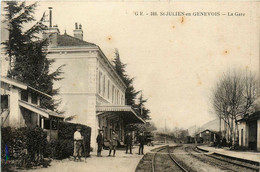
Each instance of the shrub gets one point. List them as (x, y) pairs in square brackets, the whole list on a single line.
[(241, 148), (26, 146)]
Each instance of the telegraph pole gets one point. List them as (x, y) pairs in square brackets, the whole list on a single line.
[(165, 131), (220, 134), (195, 137)]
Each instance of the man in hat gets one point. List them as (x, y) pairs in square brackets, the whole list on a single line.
[(78, 143), (141, 142), (113, 143), (100, 142), (128, 140)]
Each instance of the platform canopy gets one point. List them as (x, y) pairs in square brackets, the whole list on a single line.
[(128, 114)]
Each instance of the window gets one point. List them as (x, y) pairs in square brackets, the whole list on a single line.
[(24, 95), (34, 98), (117, 97), (99, 82), (113, 93), (108, 83), (4, 101), (122, 99), (104, 85), (47, 123)]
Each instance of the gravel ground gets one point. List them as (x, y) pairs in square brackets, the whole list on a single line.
[(164, 163), (193, 163), (222, 163), (202, 162), (121, 162), (145, 163)]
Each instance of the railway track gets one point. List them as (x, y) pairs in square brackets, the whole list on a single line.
[(221, 162), (157, 156), (184, 158)]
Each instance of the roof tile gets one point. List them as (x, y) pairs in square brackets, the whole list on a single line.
[(67, 40)]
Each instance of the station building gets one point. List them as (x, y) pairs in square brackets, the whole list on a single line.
[(249, 131), (91, 90)]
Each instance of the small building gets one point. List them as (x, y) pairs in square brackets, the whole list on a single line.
[(20, 107), (249, 131), (207, 136)]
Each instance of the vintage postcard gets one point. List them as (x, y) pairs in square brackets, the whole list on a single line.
[(130, 86)]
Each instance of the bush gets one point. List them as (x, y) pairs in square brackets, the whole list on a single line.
[(26, 146), (64, 146), (240, 148)]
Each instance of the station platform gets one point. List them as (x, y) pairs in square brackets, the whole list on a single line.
[(121, 162), (245, 155)]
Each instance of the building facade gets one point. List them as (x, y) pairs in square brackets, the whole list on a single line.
[(91, 90)]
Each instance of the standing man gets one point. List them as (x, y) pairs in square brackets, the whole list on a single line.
[(129, 141), (113, 143), (78, 143), (142, 142), (100, 142)]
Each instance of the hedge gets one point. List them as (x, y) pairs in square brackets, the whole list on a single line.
[(26, 146)]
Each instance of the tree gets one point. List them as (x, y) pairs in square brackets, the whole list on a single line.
[(144, 112), (26, 51), (234, 96), (147, 127), (131, 93)]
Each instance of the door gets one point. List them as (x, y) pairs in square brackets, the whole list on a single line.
[(252, 140), (242, 137)]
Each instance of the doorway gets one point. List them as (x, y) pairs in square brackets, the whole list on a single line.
[(252, 140)]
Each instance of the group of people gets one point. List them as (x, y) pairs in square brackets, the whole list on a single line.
[(112, 146), (129, 142), (78, 143)]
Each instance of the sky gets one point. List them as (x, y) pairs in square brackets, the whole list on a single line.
[(175, 60)]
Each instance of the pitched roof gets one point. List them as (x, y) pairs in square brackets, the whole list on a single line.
[(251, 117), (67, 40)]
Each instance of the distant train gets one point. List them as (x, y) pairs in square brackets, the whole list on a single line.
[(190, 139)]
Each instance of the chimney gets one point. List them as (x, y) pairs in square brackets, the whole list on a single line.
[(52, 32), (50, 15), (78, 32)]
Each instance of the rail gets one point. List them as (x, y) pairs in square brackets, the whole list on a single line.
[(231, 161), (172, 158)]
